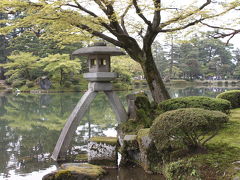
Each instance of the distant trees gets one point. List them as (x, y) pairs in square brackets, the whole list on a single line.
[(24, 66), (60, 67), (200, 57)]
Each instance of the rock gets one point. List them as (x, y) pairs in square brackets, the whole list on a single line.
[(76, 171), (149, 157), (130, 141), (129, 150), (45, 83), (103, 151), (140, 113)]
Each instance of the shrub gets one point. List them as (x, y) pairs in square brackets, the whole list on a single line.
[(18, 83), (67, 84), (29, 84), (77, 88), (232, 96), (188, 128), (181, 169), (195, 102)]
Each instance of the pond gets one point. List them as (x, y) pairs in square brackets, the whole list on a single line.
[(31, 123)]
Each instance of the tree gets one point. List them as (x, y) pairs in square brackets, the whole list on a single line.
[(73, 18), (3, 46), (21, 65), (126, 68), (60, 67), (159, 58)]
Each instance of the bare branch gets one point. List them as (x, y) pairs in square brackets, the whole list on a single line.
[(108, 9), (122, 18), (181, 27), (217, 27), (223, 35), (78, 5), (182, 17), (140, 14), (157, 16)]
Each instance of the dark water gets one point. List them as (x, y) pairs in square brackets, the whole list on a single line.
[(31, 123)]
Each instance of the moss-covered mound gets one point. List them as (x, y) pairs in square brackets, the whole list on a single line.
[(76, 171), (188, 128), (145, 114), (195, 102), (232, 96)]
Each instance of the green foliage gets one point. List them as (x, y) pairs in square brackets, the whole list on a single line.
[(77, 88), (185, 128), (22, 65), (126, 68), (233, 96), (31, 42), (18, 83), (60, 67), (181, 170), (67, 84), (195, 102), (144, 115), (29, 84)]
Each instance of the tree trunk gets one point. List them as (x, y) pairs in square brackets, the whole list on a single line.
[(153, 77), (171, 60), (151, 73)]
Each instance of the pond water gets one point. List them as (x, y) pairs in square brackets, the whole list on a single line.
[(31, 123)]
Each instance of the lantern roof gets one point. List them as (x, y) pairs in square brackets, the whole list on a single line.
[(99, 48)]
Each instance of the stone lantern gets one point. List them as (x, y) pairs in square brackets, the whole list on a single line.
[(99, 77)]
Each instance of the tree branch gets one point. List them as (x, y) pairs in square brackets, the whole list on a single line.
[(181, 27), (78, 5), (182, 17), (140, 14), (108, 9), (101, 35), (157, 16), (223, 35), (122, 18)]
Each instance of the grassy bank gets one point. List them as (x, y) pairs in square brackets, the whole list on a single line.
[(221, 160)]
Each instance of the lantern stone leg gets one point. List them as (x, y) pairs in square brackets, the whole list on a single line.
[(72, 124), (119, 110)]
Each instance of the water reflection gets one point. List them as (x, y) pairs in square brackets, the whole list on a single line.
[(30, 125), (197, 91)]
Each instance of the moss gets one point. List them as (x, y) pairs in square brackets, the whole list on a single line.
[(143, 132), (107, 140), (88, 170), (145, 114), (81, 157), (181, 170), (62, 174)]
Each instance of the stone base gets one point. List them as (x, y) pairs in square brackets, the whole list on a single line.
[(103, 151), (140, 150)]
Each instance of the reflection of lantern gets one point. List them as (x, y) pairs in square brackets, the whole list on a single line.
[(99, 76)]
